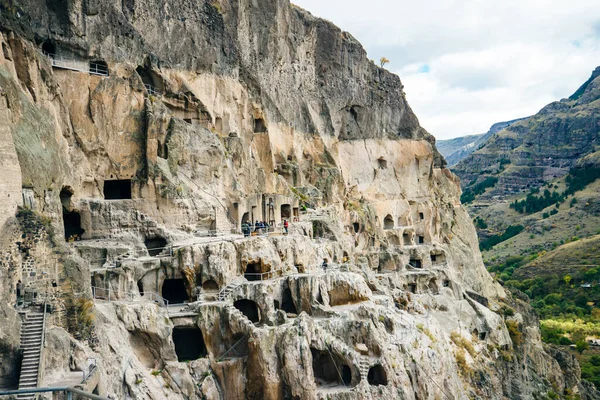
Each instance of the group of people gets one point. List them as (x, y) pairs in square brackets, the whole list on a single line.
[(260, 227)]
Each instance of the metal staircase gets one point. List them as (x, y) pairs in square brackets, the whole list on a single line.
[(32, 339), (227, 290)]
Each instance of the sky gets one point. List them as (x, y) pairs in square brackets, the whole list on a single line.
[(467, 64)]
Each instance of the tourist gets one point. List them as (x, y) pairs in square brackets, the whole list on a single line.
[(285, 226)]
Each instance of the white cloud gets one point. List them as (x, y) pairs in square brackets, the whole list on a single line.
[(487, 61)]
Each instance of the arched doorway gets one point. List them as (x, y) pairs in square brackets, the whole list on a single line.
[(388, 222), (249, 308)]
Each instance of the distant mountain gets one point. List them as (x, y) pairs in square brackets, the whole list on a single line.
[(454, 150), (535, 150)]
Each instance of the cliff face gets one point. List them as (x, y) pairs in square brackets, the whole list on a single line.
[(540, 148), (156, 130)]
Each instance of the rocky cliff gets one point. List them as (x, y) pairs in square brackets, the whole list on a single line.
[(139, 139), (538, 149)]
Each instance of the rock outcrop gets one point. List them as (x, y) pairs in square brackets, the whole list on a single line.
[(143, 136)]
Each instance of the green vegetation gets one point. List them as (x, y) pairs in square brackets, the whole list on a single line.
[(476, 189), (533, 203), (576, 180), (480, 223), (511, 231), (590, 369)]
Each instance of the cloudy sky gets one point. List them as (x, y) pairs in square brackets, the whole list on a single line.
[(467, 64)]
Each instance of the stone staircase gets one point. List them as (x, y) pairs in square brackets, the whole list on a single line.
[(227, 290), (31, 343), (363, 362)]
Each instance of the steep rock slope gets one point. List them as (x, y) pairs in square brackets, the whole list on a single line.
[(150, 132), (540, 148)]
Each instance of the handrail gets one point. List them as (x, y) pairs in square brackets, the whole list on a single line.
[(42, 345), (65, 389), (71, 63), (130, 296), (92, 368), (151, 90), (232, 347)]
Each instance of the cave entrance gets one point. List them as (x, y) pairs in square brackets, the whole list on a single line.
[(72, 224), (287, 302), (388, 222), (286, 211), (119, 189), (416, 263), (246, 218), (249, 308), (49, 48), (71, 218), (421, 216), (438, 258), (407, 239), (377, 376), (189, 343), (253, 272), (433, 286), (155, 246), (421, 239), (140, 286), (382, 163), (412, 288), (356, 227), (174, 291), (327, 371), (210, 286), (259, 125)]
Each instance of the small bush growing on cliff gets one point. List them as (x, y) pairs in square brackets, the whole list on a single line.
[(461, 361), (515, 333), (463, 343)]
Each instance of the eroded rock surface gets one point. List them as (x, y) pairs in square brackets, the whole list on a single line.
[(150, 137)]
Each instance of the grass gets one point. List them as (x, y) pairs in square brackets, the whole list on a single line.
[(463, 343)]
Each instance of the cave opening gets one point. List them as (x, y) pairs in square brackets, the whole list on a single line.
[(253, 272), (118, 189), (249, 308), (329, 372), (416, 263), (72, 225), (140, 286), (382, 163), (412, 288), (421, 239), (189, 343), (287, 302), (259, 125), (407, 238), (210, 286), (155, 245), (421, 216), (174, 291), (71, 218), (286, 211), (246, 218), (356, 227), (377, 376), (49, 48), (388, 222)]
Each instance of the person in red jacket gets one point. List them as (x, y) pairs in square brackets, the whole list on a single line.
[(285, 226)]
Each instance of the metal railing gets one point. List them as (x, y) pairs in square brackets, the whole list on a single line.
[(152, 90), (70, 63), (42, 345), (216, 233), (91, 368), (69, 391), (110, 295), (263, 276), (232, 347)]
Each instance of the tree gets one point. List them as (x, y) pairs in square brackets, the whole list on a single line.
[(383, 61), (582, 346), (567, 279)]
